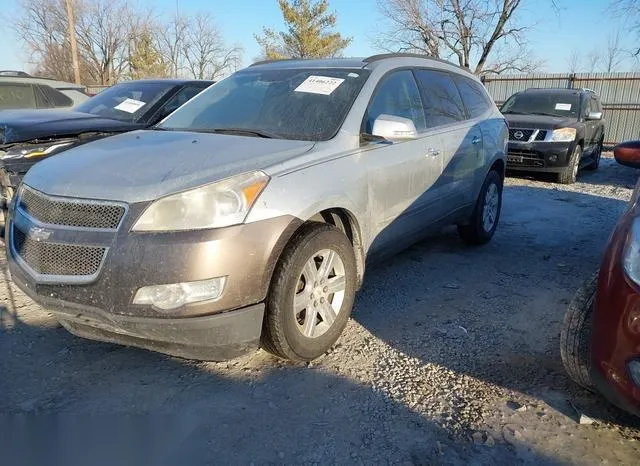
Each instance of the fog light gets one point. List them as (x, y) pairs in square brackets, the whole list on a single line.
[(553, 158), (634, 371), (175, 295)]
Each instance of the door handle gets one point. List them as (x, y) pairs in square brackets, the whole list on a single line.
[(475, 140), (432, 152)]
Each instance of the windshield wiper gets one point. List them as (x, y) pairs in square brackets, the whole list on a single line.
[(238, 131), (549, 114), (515, 113)]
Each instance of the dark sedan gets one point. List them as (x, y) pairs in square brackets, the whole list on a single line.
[(28, 136)]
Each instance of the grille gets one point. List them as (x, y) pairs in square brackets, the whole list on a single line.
[(73, 213), (541, 135), (526, 134), (529, 158), (57, 259)]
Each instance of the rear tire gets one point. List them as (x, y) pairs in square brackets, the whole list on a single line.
[(303, 318), (481, 228), (575, 336), (570, 173)]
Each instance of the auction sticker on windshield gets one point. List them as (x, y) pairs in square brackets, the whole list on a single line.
[(130, 105), (565, 107), (319, 85)]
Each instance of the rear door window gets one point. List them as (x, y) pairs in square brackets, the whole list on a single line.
[(442, 102), (15, 95), (398, 95), (474, 96)]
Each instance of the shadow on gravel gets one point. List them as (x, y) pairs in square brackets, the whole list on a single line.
[(495, 312), (609, 174), (101, 404)]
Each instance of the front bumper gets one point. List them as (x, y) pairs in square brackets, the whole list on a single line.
[(216, 337), (616, 327), (102, 308), (534, 156)]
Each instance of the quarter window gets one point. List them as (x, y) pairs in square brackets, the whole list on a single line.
[(474, 96), (442, 102), (57, 98), (398, 95)]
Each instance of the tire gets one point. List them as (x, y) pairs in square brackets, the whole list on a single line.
[(569, 175), (596, 161), (289, 333), (575, 336), (477, 231)]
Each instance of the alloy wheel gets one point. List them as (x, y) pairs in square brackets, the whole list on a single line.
[(319, 293)]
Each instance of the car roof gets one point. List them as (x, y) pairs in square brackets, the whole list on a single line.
[(169, 81), (46, 81), (552, 90), (352, 63)]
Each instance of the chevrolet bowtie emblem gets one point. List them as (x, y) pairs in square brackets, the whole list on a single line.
[(39, 234)]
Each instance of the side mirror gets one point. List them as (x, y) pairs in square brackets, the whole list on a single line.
[(594, 116), (628, 154), (394, 127)]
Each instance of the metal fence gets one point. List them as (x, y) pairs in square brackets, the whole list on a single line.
[(619, 92)]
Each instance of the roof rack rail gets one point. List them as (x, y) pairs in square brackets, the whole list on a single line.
[(382, 56), (273, 60), (586, 89), (15, 73)]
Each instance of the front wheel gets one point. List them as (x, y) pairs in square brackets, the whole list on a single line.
[(311, 294), (484, 220), (575, 336), (596, 157), (570, 173)]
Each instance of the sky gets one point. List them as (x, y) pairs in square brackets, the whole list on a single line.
[(580, 24)]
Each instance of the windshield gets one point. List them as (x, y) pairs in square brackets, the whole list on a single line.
[(553, 104), (125, 101), (283, 103)]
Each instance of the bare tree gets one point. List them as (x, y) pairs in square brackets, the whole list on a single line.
[(105, 30), (205, 53), (615, 53), (574, 60), (171, 40), (484, 36), (42, 26), (593, 61)]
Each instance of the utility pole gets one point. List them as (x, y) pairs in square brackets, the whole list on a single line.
[(72, 41)]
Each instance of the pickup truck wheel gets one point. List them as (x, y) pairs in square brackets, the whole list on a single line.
[(311, 294), (569, 175), (596, 157), (484, 220), (575, 336)]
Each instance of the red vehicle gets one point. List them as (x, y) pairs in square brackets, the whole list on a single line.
[(600, 338)]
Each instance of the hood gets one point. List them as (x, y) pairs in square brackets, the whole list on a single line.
[(146, 165), (539, 121), (27, 125)]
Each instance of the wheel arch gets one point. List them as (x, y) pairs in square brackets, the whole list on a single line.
[(347, 223)]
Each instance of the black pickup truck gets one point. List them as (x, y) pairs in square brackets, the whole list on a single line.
[(554, 130)]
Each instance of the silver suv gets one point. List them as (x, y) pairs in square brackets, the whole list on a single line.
[(248, 215)]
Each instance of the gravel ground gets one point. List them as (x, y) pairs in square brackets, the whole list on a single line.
[(451, 358)]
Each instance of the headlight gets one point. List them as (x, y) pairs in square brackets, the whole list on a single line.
[(216, 205), (632, 252), (35, 150), (563, 135)]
